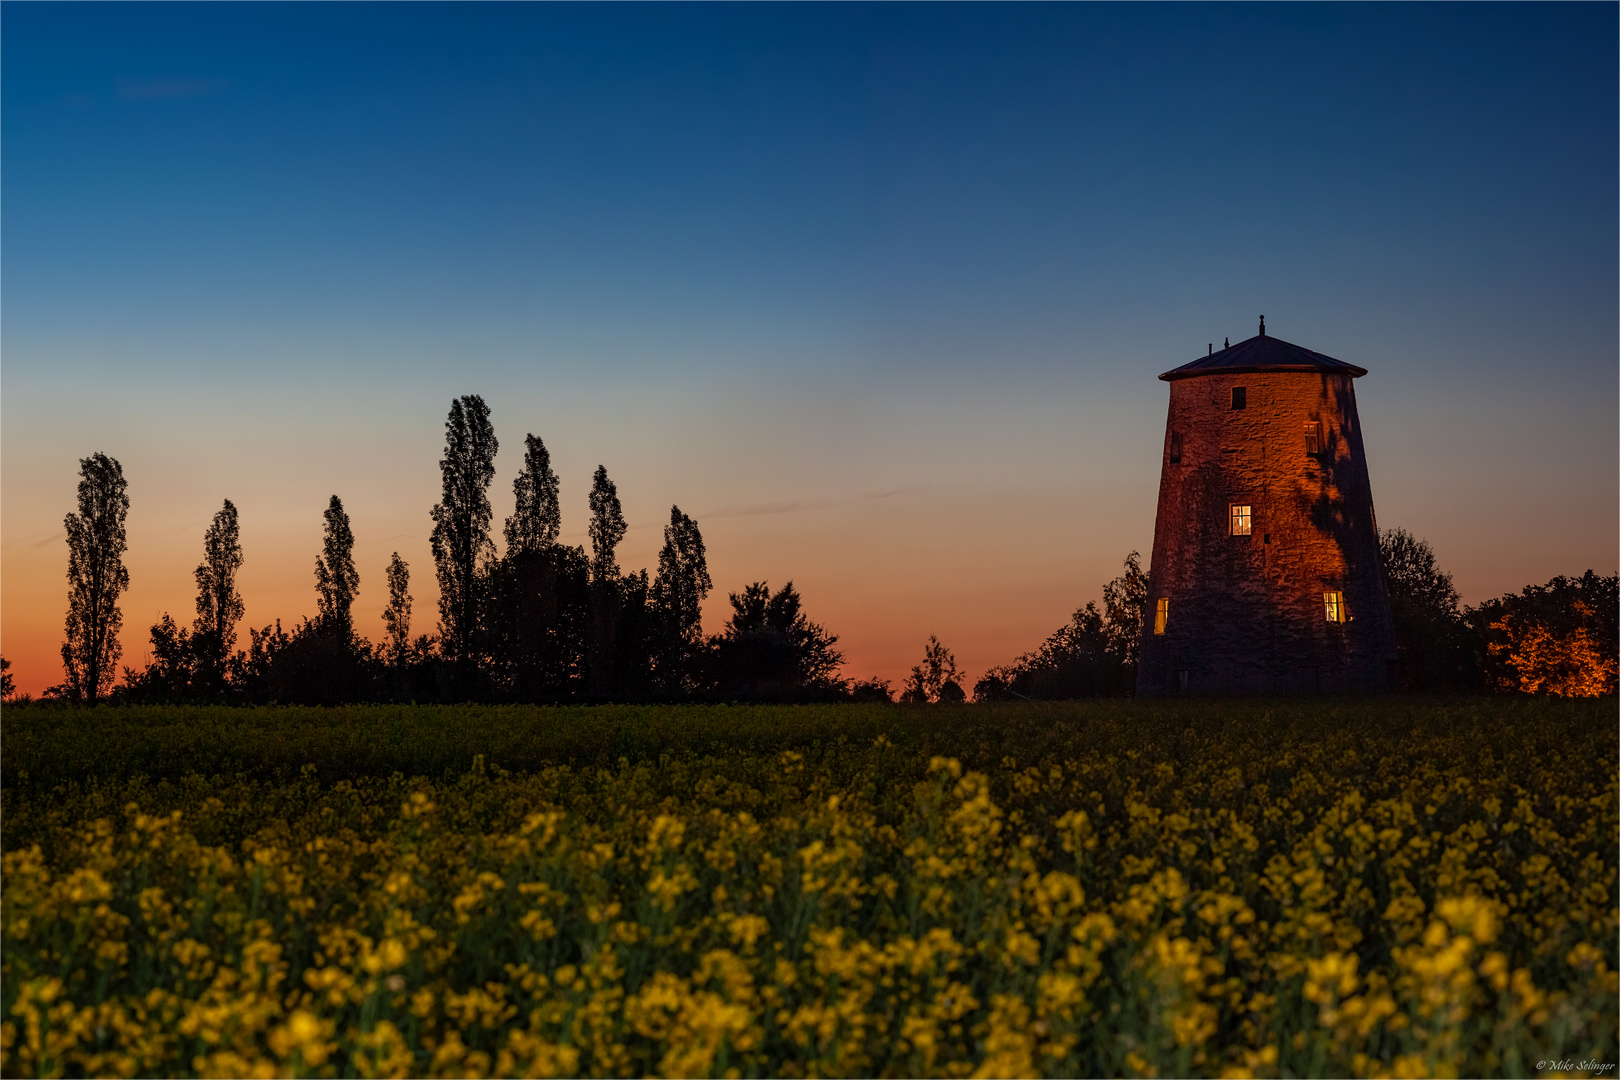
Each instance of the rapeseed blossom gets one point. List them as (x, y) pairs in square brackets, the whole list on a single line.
[(1304, 909)]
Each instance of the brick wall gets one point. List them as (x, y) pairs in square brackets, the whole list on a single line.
[(1246, 613)]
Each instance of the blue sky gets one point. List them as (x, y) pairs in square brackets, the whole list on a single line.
[(794, 255)]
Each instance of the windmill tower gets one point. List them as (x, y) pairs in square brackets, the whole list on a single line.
[(1266, 576)]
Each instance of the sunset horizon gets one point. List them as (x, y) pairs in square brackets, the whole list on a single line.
[(878, 296)]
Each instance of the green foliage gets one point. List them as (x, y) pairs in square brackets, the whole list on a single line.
[(1560, 638)]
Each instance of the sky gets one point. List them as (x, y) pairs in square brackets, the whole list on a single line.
[(877, 294)]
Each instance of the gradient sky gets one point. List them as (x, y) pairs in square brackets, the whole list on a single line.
[(877, 294)]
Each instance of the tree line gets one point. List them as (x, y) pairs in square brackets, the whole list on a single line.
[(1560, 638), (544, 621)]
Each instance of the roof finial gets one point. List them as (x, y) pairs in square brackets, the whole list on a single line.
[(1212, 348), (1228, 344), (1262, 326)]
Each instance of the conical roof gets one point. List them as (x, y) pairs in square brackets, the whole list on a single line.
[(1263, 353)]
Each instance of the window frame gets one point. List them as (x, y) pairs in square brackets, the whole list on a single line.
[(1240, 519), (1313, 437), (1333, 607), (1161, 614), (1175, 448), (1240, 398)]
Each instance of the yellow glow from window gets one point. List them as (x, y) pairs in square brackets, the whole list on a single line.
[(1161, 613), (1333, 602), (1241, 520)]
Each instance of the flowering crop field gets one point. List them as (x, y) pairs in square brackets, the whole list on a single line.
[(1307, 887)]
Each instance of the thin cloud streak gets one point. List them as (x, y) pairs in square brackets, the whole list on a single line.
[(812, 504)]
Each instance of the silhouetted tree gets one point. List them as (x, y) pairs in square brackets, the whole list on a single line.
[(316, 666), (677, 605), (7, 687), (770, 650), (935, 679), (219, 605), (872, 691), (607, 528), (1430, 635), (96, 576), (1093, 656), (1124, 601), (257, 673), (460, 538), (336, 578), (1559, 638), (171, 668), (397, 615), (521, 591), (633, 639), (536, 518), (1074, 662)]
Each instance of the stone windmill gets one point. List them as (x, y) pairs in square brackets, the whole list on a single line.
[(1266, 576)]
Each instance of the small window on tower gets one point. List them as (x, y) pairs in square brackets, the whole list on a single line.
[(1175, 448), (1240, 397), (1313, 437), (1333, 602), (1161, 614), (1242, 519)]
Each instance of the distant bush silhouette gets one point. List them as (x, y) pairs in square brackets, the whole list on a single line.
[(1093, 656), (770, 651), (935, 679)]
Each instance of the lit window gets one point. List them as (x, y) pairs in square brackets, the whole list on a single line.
[(1313, 437), (1161, 612), (1175, 448), (1240, 397), (1333, 602), (1242, 519)]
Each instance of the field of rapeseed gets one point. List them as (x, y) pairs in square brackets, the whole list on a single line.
[(1305, 888)]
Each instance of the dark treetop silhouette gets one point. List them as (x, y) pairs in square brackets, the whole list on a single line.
[(96, 576), (549, 622), (460, 537)]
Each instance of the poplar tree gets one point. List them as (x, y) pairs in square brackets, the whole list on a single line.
[(460, 538), (96, 576), (397, 615), (336, 579), (219, 605), (607, 528), (677, 602), (536, 518)]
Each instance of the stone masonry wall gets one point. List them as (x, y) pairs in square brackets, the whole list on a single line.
[(1246, 613)]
